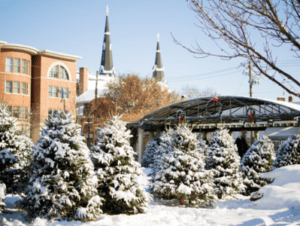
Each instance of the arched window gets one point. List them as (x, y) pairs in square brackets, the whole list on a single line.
[(59, 71)]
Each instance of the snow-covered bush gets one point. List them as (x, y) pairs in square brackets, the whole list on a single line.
[(63, 183), (121, 179), (149, 154), (288, 152), (182, 173), (14, 153), (258, 159), (223, 159)]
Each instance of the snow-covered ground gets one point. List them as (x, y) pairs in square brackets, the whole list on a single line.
[(280, 205)]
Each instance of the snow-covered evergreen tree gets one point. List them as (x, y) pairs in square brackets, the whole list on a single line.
[(288, 152), (182, 173), (165, 146), (14, 152), (121, 179), (2, 196), (258, 159), (224, 161), (63, 183), (149, 154)]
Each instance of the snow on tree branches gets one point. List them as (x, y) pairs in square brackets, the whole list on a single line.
[(121, 180), (224, 161), (182, 173), (151, 147), (14, 152), (288, 152), (63, 182), (258, 159)]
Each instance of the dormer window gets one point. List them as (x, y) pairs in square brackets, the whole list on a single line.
[(59, 72)]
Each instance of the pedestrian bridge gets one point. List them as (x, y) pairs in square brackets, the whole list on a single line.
[(206, 114)]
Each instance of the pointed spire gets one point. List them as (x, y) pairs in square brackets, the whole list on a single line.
[(158, 69), (106, 67)]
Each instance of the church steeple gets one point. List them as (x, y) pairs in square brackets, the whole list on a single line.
[(158, 69), (106, 67)]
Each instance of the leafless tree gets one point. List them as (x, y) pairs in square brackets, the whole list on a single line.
[(192, 92), (251, 29)]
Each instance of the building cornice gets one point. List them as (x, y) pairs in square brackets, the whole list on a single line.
[(28, 49), (58, 55), (34, 51)]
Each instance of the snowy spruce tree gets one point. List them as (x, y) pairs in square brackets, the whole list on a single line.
[(182, 173), (121, 179), (165, 146), (288, 152), (149, 154), (63, 184), (224, 161), (258, 159), (14, 153)]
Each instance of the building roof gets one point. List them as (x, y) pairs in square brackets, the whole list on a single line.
[(34, 51), (158, 69), (106, 66), (89, 95)]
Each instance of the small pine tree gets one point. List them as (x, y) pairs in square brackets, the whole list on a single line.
[(149, 154), (288, 152), (258, 159), (182, 173), (63, 182), (14, 153), (164, 147), (224, 161), (121, 179)]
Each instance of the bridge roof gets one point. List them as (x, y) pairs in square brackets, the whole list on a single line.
[(225, 109)]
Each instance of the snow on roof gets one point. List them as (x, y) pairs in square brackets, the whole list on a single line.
[(282, 132), (89, 95)]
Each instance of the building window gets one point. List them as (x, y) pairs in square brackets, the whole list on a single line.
[(27, 67), (23, 111), (8, 110), (8, 88), (59, 72), (24, 64), (16, 111), (52, 112), (64, 93), (26, 113), (17, 65), (9, 64), (53, 91), (25, 88), (63, 73), (54, 72), (16, 87)]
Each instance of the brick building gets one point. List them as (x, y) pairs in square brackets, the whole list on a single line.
[(35, 84)]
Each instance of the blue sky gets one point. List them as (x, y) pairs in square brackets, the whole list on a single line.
[(77, 27)]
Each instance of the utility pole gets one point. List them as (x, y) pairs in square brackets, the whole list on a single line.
[(250, 78), (251, 94)]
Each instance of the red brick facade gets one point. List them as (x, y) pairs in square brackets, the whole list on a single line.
[(50, 79)]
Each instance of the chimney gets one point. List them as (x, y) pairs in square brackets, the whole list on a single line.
[(291, 99), (281, 98), (83, 80)]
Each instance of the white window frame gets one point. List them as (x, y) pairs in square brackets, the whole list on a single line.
[(24, 65), (11, 87), (16, 87), (17, 64), (9, 67)]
